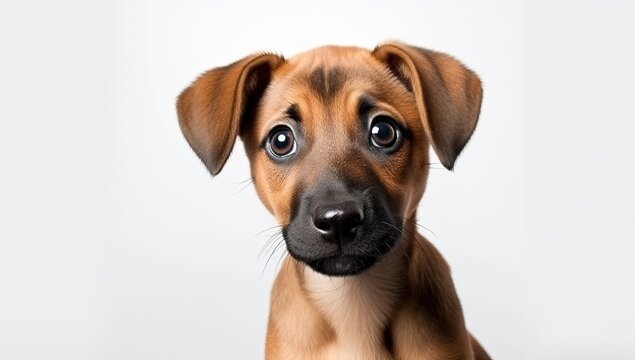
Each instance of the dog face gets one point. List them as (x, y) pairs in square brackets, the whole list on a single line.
[(337, 139)]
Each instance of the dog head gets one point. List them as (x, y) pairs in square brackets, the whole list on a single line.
[(337, 138)]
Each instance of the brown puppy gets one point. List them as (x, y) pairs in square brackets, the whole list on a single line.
[(338, 141)]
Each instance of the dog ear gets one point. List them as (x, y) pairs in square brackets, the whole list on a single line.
[(447, 93), (216, 106)]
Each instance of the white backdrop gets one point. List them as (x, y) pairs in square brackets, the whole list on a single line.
[(116, 244)]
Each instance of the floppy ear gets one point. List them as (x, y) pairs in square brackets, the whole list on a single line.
[(448, 95), (212, 110)]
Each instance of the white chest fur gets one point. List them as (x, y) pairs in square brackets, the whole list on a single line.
[(358, 307)]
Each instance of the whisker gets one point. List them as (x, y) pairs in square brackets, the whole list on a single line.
[(284, 253), (419, 225), (248, 180), (270, 256), (244, 184), (393, 226), (272, 239), (267, 229)]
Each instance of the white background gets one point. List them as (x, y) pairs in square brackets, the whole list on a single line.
[(116, 244)]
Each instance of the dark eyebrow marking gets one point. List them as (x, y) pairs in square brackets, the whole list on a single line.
[(365, 105), (326, 82), (293, 112)]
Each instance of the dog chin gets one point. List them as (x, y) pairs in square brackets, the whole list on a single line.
[(342, 265)]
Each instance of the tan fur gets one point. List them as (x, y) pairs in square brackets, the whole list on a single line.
[(358, 307), (405, 306)]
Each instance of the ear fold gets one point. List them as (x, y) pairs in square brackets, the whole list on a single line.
[(212, 110), (448, 95)]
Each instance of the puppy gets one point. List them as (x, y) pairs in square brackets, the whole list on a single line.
[(338, 140)]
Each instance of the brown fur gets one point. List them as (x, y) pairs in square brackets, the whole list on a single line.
[(405, 306)]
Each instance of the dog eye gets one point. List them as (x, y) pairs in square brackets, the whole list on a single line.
[(281, 142), (383, 132)]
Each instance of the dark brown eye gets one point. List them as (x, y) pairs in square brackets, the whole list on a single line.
[(383, 132), (281, 142)]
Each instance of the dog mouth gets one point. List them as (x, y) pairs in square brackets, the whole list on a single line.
[(342, 265), (345, 263)]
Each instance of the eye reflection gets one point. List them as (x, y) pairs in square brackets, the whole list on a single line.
[(281, 142), (383, 132)]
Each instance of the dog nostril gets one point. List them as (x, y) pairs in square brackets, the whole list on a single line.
[(326, 220), (322, 224), (338, 222), (352, 222)]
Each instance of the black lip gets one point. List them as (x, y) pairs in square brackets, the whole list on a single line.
[(342, 265)]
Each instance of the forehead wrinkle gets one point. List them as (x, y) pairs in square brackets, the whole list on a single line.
[(326, 81)]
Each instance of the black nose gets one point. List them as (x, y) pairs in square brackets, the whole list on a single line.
[(338, 223)]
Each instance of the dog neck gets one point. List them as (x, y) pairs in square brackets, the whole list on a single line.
[(359, 308)]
